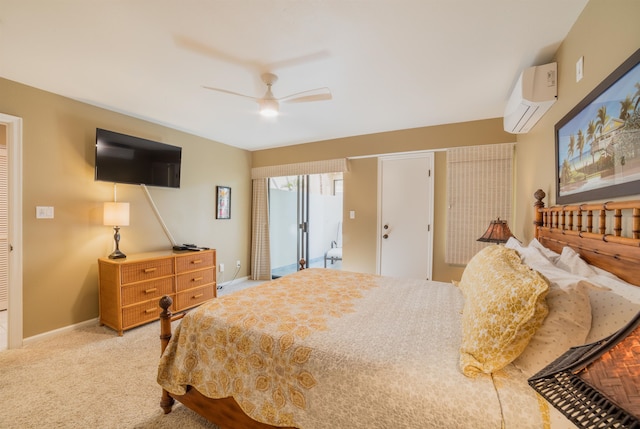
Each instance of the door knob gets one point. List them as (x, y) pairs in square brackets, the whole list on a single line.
[(386, 226), (385, 236)]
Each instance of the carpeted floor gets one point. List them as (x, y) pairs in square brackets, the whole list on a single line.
[(90, 378)]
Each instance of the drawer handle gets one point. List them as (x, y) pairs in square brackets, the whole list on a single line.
[(197, 279), (196, 261), (150, 310), (200, 295), (151, 290), (150, 270)]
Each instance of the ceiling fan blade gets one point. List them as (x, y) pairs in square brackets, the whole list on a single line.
[(318, 94), (230, 92)]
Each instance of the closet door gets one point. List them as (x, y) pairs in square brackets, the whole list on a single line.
[(406, 216)]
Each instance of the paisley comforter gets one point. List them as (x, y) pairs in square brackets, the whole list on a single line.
[(324, 348)]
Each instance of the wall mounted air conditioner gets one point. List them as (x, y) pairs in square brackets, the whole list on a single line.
[(534, 93)]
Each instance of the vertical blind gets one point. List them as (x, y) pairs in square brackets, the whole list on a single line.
[(479, 190)]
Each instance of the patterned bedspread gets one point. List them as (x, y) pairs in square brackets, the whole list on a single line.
[(324, 348)]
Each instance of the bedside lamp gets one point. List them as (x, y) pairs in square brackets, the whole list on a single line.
[(116, 215), (596, 385), (498, 232)]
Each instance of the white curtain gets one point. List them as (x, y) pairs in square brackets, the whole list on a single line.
[(260, 251), (479, 190)]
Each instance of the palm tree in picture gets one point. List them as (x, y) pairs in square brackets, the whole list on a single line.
[(636, 96), (572, 146), (601, 119), (591, 137), (580, 142), (626, 106)]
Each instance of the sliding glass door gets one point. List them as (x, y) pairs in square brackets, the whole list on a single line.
[(305, 220)]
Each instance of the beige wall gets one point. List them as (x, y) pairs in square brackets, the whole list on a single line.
[(606, 33), (60, 269), (360, 186)]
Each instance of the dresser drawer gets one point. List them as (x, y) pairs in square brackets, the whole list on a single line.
[(194, 279), (130, 288), (194, 261), (145, 291), (146, 270), (194, 297), (142, 313)]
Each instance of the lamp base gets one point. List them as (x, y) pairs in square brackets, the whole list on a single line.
[(117, 254)]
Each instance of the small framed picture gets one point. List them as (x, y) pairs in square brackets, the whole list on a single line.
[(223, 202)]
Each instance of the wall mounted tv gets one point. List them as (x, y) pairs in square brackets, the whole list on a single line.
[(126, 159)]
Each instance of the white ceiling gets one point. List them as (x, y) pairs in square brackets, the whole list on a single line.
[(390, 64)]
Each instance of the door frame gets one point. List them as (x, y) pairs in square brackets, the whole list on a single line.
[(14, 152), (409, 155), (303, 220)]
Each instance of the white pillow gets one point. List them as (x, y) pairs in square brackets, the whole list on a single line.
[(547, 253), (569, 260), (529, 255), (613, 308), (566, 326)]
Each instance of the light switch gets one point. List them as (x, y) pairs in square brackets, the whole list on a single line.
[(352, 214), (44, 212), (579, 69)]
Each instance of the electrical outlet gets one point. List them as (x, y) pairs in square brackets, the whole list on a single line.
[(238, 263), (221, 267)]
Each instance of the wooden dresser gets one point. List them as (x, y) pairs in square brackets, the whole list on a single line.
[(131, 288)]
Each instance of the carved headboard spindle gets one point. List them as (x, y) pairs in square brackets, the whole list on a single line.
[(617, 227), (603, 220), (615, 249)]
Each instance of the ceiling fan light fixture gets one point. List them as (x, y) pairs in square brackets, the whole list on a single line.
[(269, 108)]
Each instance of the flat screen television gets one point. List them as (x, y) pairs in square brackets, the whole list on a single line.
[(126, 159)]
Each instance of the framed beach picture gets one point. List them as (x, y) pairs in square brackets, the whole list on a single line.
[(223, 202), (598, 142)]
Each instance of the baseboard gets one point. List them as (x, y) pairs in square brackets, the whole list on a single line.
[(236, 280), (56, 332), (92, 322)]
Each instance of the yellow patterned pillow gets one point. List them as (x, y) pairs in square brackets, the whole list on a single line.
[(504, 306)]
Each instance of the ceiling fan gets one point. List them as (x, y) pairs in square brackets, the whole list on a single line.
[(269, 105)]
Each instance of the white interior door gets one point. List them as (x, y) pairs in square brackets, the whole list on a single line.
[(14, 151), (4, 226), (406, 216)]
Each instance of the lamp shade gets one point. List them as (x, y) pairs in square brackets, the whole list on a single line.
[(497, 232), (116, 214), (597, 385)]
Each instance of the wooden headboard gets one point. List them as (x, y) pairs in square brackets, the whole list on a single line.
[(612, 244)]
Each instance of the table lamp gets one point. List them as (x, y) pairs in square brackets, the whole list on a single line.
[(116, 214), (497, 232)]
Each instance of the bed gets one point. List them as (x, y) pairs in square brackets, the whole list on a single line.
[(324, 348)]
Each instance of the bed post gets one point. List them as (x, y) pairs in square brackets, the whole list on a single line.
[(538, 222), (166, 402)]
